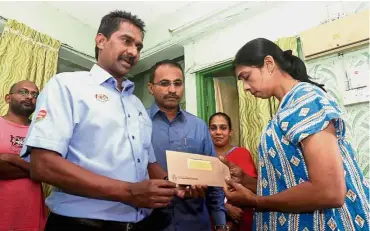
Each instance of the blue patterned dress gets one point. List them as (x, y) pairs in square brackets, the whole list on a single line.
[(306, 110)]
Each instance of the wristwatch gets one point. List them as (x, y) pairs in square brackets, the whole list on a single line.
[(223, 227)]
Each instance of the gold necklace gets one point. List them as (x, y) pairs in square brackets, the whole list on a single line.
[(227, 150)]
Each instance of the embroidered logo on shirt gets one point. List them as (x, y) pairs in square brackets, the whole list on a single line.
[(101, 97), (42, 114)]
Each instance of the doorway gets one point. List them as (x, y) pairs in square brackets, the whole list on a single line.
[(217, 91)]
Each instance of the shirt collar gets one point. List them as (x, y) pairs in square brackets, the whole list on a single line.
[(102, 76), (128, 86), (154, 109), (99, 74)]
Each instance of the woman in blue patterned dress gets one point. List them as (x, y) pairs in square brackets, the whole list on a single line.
[(308, 178)]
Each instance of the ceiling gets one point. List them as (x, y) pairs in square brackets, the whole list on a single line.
[(90, 13), (153, 13)]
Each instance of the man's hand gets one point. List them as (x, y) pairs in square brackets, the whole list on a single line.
[(152, 193), (234, 212), (193, 191), (6, 157), (15, 160), (9, 171)]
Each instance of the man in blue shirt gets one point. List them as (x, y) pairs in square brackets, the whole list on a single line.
[(91, 139), (177, 130)]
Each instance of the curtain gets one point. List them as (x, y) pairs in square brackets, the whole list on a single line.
[(26, 54), (226, 97), (254, 116), (255, 113), (288, 43)]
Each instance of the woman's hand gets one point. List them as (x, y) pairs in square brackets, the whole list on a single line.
[(234, 212), (237, 194), (237, 174)]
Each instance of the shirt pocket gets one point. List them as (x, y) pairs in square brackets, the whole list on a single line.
[(192, 145), (145, 129)]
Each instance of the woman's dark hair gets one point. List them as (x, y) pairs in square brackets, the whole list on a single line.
[(254, 52), (226, 117)]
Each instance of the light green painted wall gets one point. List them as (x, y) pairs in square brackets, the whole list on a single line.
[(281, 19)]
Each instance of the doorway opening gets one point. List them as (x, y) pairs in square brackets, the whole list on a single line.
[(217, 91)]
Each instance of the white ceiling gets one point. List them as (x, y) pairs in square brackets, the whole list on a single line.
[(168, 14), (91, 13)]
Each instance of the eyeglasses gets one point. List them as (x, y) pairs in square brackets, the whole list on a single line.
[(25, 92), (166, 83)]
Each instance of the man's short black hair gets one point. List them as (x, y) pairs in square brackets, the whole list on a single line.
[(161, 63), (111, 22)]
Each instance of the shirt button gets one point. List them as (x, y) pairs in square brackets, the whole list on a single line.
[(128, 115), (133, 137), (138, 160)]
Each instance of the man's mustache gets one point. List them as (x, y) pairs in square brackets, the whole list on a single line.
[(26, 101), (171, 96), (127, 58)]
